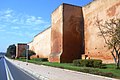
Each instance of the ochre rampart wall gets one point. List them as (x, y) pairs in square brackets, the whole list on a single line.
[(95, 46), (56, 34), (41, 44), (67, 33), (73, 33), (20, 48)]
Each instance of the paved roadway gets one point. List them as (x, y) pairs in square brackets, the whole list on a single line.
[(2, 70), (16, 72)]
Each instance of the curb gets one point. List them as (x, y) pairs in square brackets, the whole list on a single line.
[(46, 78), (34, 73), (30, 71), (92, 75)]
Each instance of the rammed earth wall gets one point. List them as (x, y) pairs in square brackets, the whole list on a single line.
[(95, 46), (73, 32), (41, 44)]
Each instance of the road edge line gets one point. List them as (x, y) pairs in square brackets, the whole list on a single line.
[(9, 75), (23, 70)]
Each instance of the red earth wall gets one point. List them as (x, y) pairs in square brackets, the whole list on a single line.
[(67, 36), (19, 49), (95, 46)]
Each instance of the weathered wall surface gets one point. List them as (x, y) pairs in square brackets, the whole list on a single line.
[(56, 34), (41, 44), (73, 33), (19, 49), (103, 10), (67, 36)]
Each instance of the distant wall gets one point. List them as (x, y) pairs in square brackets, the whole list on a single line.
[(19, 49), (41, 44), (95, 46)]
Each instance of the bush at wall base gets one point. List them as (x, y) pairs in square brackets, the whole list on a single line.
[(88, 63)]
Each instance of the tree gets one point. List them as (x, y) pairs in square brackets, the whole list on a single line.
[(11, 51), (30, 53), (110, 31)]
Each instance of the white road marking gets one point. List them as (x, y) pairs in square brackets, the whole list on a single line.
[(23, 71), (9, 75)]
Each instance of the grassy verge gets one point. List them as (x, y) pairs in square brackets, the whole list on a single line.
[(109, 70)]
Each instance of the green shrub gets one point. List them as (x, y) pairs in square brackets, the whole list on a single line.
[(76, 62), (30, 53), (88, 63), (97, 63), (44, 59), (40, 59), (84, 63)]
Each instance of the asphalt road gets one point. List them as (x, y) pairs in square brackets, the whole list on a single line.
[(2, 70), (16, 73)]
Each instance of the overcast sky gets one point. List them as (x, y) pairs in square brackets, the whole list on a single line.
[(21, 20)]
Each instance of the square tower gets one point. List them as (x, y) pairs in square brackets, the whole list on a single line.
[(67, 33), (20, 48)]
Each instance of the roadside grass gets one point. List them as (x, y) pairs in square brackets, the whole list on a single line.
[(109, 70)]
